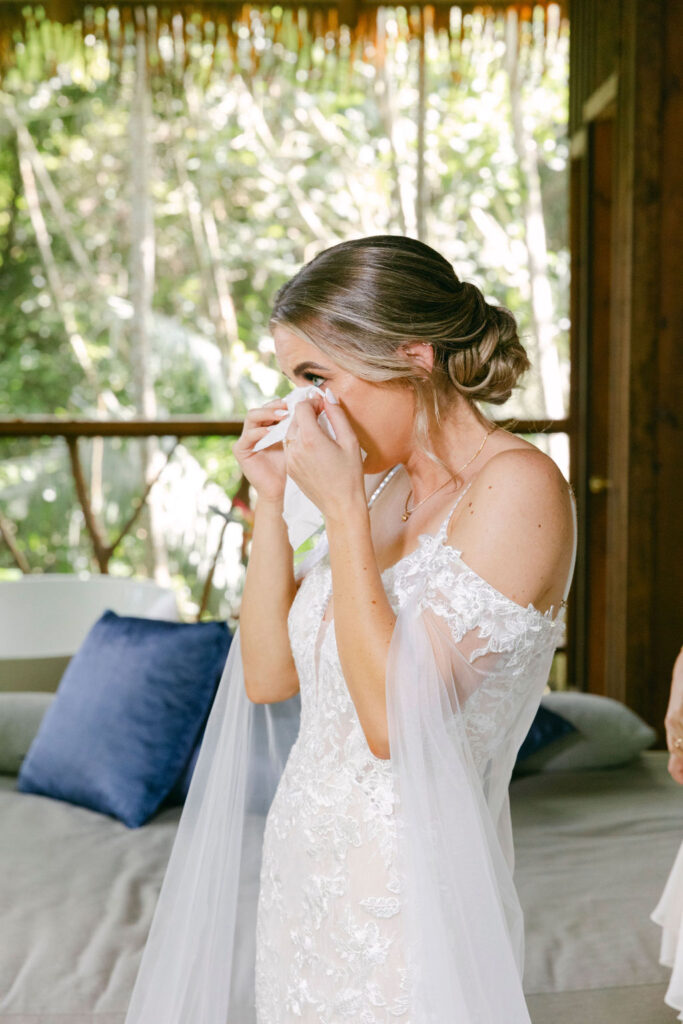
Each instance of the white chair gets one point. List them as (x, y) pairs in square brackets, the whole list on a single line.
[(45, 618)]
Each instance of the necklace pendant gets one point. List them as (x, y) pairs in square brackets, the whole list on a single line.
[(405, 517)]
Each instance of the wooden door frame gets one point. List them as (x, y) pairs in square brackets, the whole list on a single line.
[(643, 545), (601, 105)]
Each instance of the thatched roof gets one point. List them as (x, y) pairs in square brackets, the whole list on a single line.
[(207, 24)]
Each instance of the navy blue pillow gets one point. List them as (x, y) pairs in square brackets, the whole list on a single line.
[(546, 728), (127, 716)]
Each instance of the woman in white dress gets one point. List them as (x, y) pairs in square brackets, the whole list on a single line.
[(418, 639), (669, 911)]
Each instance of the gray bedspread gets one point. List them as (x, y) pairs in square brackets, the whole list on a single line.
[(77, 891), (593, 850)]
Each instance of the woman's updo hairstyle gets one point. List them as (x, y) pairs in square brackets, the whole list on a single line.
[(363, 301)]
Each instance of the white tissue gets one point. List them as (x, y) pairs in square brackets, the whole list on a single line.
[(300, 514)]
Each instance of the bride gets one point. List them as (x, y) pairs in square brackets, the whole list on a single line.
[(354, 862)]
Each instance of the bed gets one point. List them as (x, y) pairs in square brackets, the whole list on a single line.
[(593, 851), (77, 891)]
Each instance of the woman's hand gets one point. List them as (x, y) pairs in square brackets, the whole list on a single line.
[(266, 469), (328, 472), (673, 721)]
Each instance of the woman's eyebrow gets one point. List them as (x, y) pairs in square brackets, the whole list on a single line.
[(302, 367), (298, 370)]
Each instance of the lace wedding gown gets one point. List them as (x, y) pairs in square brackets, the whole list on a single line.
[(312, 882), (331, 928)]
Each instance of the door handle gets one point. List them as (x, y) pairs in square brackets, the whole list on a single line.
[(598, 484)]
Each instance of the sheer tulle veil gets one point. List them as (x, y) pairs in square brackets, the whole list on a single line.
[(458, 711)]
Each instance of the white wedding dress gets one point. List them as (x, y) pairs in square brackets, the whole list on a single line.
[(668, 914), (313, 882), (331, 932)]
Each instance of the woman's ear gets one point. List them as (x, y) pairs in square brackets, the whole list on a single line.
[(421, 353)]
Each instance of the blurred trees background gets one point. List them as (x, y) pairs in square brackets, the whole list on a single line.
[(160, 180)]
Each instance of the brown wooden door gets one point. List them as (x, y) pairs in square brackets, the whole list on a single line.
[(592, 216)]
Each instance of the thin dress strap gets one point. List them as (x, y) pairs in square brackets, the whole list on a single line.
[(444, 526), (443, 529)]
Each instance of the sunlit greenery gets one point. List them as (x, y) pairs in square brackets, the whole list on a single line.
[(267, 144)]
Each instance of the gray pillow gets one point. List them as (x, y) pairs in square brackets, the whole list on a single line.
[(20, 718), (607, 734)]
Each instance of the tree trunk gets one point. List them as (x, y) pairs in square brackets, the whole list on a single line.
[(542, 311), (141, 277), (401, 187)]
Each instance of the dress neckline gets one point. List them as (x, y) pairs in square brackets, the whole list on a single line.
[(438, 538), (451, 552)]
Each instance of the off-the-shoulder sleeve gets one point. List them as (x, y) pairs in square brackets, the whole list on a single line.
[(465, 673)]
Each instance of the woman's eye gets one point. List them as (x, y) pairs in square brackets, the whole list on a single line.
[(315, 379)]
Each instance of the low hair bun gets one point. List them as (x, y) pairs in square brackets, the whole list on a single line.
[(362, 302), (486, 363)]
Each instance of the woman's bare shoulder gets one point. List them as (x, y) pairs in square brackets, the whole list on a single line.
[(514, 526), (523, 470)]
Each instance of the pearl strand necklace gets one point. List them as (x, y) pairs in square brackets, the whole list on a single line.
[(380, 487)]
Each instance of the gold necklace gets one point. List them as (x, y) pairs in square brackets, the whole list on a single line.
[(407, 512)]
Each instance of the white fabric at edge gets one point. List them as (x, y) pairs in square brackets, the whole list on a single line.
[(669, 915)]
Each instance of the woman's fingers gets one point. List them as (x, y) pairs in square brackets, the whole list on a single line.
[(266, 414), (249, 437), (306, 420), (339, 421), (673, 724), (258, 422), (256, 433)]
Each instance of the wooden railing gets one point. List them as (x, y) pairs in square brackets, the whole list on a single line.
[(53, 426), (73, 430), (181, 427)]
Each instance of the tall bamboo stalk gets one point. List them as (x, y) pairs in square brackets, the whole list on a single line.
[(141, 276), (542, 307), (420, 198)]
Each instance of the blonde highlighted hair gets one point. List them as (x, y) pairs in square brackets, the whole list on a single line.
[(362, 302)]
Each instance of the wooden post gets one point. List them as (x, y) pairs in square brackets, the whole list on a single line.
[(7, 533)]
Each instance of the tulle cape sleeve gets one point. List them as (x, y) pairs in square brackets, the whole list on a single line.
[(464, 678), (198, 963), (465, 673)]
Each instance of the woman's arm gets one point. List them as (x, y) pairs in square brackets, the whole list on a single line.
[(363, 620), (517, 529), (331, 474), (269, 671), (269, 588), (673, 721)]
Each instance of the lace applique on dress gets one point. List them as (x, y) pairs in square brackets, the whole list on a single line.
[(330, 939)]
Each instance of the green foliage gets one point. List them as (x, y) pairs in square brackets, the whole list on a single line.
[(267, 147)]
